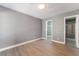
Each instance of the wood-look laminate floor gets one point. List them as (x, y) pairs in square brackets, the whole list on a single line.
[(41, 48)]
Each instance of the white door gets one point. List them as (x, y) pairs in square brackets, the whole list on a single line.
[(49, 30)]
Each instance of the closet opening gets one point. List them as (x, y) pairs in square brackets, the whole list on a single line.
[(70, 31)]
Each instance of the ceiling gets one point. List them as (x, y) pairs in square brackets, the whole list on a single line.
[(50, 10)]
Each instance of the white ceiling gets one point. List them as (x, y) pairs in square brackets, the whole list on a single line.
[(50, 10)]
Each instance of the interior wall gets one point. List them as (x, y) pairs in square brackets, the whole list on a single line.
[(16, 27), (58, 29)]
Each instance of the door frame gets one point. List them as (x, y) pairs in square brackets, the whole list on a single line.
[(51, 29), (76, 28)]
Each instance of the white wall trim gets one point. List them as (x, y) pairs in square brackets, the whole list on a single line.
[(54, 41), (58, 42), (77, 31), (20, 44), (43, 38)]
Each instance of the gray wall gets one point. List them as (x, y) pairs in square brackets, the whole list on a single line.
[(58, 25), (16, 27)]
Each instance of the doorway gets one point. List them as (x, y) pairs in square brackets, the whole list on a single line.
[(49, 30), (71, 31)]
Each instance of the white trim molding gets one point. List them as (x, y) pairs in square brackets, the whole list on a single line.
[(20, 44), (43, 38), (58, 42)]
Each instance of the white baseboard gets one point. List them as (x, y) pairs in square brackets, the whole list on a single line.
[(20, 44), (58, 42), (55, 41), (77, 46), (43, 38)]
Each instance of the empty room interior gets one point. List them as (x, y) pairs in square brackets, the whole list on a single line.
[(39, 29)]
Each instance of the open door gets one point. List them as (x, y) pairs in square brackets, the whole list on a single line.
[(49, 30), (71, 30)]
